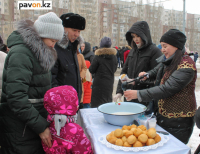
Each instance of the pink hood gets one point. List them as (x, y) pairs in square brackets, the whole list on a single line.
[(61, 100)]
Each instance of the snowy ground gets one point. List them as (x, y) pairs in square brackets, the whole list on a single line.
[(195, 139)]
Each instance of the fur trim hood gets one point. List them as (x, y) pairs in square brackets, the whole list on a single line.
[(63, 43), (46, 56), (105, 51)]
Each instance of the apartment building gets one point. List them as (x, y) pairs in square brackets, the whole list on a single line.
[(112, 18)]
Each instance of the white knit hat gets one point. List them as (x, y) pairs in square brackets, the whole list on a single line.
[(49, 26)]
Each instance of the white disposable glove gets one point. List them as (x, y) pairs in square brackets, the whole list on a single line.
[(116, 97)]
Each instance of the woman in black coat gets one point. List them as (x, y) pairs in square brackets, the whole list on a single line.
[(104, 66), (142, 57)]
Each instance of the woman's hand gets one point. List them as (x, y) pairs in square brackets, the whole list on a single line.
[(46, 137), (141, 74), (130, 94)]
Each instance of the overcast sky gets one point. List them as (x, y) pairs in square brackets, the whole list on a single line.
[(192, 6)]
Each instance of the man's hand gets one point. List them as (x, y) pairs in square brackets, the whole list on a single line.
[(46, 137)]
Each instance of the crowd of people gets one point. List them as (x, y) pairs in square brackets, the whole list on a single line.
[(48, 73)]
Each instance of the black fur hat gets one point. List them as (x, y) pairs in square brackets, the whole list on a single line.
[(71, 20)]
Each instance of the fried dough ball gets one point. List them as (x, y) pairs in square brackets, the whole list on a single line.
[(128, 133), (112, 133), (108, 137), (126, 144), (119, 142), (137, 144), (152, 129), (157, 138), (123, 132), (144, 132), (137, 132), (129, 127), (142, 127), (132, 129), (151, 133), (125, 127), (133, 126), (131, 139), (118, 133), (143, 138), (150, 142), (112, 140), (124, 139)]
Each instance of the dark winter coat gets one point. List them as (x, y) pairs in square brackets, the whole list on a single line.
[(139, 60), (87, 53), (176, 97), (66, 68), (104, 66), (26, 78), (121, 53), (178, 80)]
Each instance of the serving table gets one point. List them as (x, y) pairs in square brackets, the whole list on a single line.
[(94, 125)]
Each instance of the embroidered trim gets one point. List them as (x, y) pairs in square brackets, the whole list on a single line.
[(163, 112), (185, 64)]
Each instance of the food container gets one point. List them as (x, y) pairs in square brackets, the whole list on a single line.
[(143, 120), (152, 122), (122, 113)]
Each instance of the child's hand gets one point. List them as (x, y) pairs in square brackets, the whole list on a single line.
[(46, 137)]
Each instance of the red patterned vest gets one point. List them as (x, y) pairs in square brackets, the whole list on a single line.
[(183, 103)]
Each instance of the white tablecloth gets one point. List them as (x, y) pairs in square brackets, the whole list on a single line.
[(95, 126)]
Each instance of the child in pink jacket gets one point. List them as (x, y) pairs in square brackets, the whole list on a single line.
[(67, 137)]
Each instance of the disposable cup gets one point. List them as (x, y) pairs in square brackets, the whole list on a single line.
[(152, 122)]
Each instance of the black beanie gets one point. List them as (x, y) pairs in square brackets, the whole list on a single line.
[(71, 20), (105, 42), (175, 38)]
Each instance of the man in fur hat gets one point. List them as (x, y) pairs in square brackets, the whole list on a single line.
[(66, 70)]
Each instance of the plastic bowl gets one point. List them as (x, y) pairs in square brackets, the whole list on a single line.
[(129, 111)]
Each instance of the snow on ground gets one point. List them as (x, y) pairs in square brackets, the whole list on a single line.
[(195, 139)]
